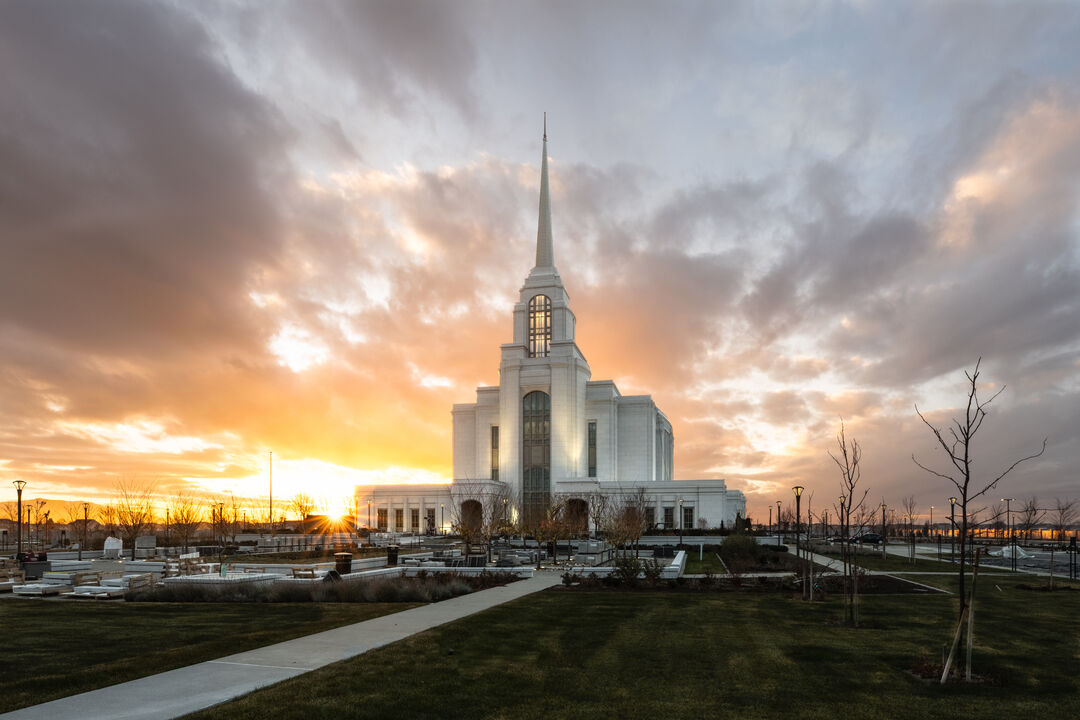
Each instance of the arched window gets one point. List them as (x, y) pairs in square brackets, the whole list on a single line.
[(536, 454), (539, 326)]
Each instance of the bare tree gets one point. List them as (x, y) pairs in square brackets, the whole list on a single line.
[(467, 512), (1029, 516), (614, 523), (958, 447), (995, 522), (134, 509), (185, 513), (911, 511), (625, 520), (1064, 515), (9, 511), (495, 521), (598, 505), (302, 505), (636, 518), (544, 523), (852, 511), (106, 515)]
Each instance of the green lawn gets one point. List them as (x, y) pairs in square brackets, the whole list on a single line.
[(871, 560), (54, 649), (572, 654), (710, 562)]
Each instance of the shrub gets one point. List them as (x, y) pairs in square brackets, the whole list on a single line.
[(429, 588), (652, 570), (627, 570)]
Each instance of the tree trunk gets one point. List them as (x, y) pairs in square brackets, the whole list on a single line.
[(971, 615), (955, 644), (855, 585)]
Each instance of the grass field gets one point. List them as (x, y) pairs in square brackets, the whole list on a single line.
[(573, 654), (871, 559), (710, 562), (54, 649)]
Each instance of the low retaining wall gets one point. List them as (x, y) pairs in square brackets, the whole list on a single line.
[(522, 572), (228, 580), (671, 571)]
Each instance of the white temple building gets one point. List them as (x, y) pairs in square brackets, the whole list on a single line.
[(549, 430)]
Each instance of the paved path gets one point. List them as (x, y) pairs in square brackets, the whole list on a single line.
[(179, 692)]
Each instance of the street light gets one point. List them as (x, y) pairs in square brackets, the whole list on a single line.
[(798, 527), (85, 521), (19, 485), (442, 518), (952, 529), (883, 530), (777, 524), (1008, 522), (770, 517)]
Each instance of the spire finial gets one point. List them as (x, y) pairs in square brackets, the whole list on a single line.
[(545, 256)]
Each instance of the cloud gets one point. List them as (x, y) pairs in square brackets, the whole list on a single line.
[(226, 229)]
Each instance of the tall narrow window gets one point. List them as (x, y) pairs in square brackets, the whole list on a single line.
[(592, 448), (494, 452), (539, 326), (688, 518), (536, 455)]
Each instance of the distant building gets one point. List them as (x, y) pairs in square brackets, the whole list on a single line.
[(548, 430)]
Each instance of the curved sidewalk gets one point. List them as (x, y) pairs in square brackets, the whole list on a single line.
[(178, 692)]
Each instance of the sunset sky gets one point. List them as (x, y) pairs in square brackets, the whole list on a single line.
[(231, 228)]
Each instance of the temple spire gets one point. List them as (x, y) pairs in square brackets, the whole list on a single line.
[(545, 255)]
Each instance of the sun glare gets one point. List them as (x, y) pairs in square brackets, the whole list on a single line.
[(331, 487)]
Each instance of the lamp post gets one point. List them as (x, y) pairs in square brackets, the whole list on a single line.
[(442, 518), (221, 523), (270, 472), (798, 527), (952, 529), (1008, 524), (770, 517), (680, 522), (777, 524), (19, 485), (369, 513), (883, 533), (85, 520)]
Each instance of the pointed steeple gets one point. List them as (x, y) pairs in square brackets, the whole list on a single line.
[(545, 254)]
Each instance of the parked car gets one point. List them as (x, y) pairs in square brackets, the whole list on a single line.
[(868, 539)]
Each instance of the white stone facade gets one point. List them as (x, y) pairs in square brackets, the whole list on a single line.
[(559, 432)]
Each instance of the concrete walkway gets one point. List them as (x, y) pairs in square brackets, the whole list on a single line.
[(179, 692)]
